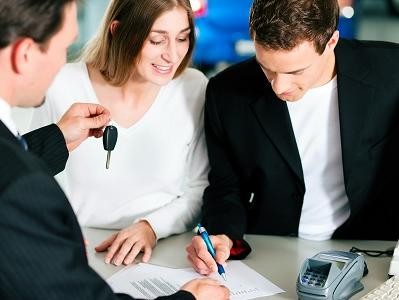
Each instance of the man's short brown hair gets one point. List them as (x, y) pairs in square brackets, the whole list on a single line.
[(38, 20), (283, 24)]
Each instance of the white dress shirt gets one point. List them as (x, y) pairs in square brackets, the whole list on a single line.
[(5, 116)]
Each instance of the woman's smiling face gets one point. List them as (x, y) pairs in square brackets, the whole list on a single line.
[(165, 47)]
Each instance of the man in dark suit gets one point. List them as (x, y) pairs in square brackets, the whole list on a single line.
[(42, 254), (303, 139)]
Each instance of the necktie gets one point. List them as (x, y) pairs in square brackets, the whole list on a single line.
[(23, 142)]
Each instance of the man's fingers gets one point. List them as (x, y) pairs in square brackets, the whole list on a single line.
[(90, 109), (98, 121), (97, 132), (199, 266), (96, 109), (203, 254), (199, 255), (222, 254), (94, 115), (222, 248)]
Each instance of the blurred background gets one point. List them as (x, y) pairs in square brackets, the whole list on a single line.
[(222, 31), (222, 27)]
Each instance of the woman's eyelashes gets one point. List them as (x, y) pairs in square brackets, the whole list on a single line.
[(155, 41), (183, 39)]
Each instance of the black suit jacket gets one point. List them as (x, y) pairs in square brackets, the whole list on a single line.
[(42, 254), (252, 148)]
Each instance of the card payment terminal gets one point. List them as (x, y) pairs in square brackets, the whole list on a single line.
[(331, 275)]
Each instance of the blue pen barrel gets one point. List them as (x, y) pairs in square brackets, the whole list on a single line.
[(207, 241), (205, 237), (220, 269)]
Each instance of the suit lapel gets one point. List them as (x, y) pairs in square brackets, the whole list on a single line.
[(7, 134), (272, 114), (354, 100)]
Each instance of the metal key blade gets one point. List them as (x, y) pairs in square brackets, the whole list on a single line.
[(108, 159)]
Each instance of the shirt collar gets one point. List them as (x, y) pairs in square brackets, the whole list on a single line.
[(5, 116)]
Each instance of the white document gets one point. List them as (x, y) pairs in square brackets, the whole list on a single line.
[(151, 281)]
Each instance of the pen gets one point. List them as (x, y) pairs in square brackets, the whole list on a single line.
[(204, 235)]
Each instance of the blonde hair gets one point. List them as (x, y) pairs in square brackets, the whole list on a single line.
[(114, 54)]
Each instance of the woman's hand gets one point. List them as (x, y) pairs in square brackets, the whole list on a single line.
[(124, 246)]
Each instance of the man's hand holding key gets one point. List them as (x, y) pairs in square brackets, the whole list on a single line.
[(83, 120)]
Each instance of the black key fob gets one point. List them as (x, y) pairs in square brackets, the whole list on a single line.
[(110, 137)]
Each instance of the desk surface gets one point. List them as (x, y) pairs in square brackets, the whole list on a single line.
[(276, 258)]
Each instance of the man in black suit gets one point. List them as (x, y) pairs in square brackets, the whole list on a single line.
[(303, 139), (42, 254)]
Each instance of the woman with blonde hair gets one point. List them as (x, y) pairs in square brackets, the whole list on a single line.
[(137, 68)]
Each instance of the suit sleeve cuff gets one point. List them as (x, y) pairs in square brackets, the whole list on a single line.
[(49, 144), (240, 249)]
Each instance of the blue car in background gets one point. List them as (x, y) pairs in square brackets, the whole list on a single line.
[(222, 32), (223, 35)]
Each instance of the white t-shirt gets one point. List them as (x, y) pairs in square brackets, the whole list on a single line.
[(158, 169), (315, 121)]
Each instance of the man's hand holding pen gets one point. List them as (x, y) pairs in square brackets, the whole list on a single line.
[(200, 258)]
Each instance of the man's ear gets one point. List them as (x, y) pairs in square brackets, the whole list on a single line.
[(113, 27), (21, 54), (333, 41)]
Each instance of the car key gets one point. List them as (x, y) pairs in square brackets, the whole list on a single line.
[(110, 137)]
